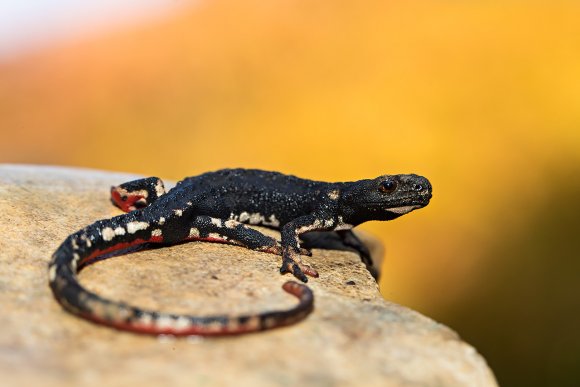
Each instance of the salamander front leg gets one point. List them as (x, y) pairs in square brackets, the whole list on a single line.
[(291, 260)]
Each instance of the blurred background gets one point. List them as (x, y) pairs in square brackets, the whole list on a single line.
[(482, 97)]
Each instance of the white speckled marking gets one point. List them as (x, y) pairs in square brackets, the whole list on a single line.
[(182, 323), (178, 212), (133, 227), (123, 313), (156, 233), (108, 233), (86, 239), (216, 235), (52, 273), (328, 223), (161, 221), (214, 326), (231, 223), (194, 233), (256, 218), (272, 221), (165, 322), (119, 231), (159, 189), (244, 217), (301, 230), (142, 192), (334, 194), (146, 319), (341, 225)]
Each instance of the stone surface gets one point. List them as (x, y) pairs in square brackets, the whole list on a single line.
[(354, 336)]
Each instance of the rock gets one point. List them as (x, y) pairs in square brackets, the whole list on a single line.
[(353, 336)]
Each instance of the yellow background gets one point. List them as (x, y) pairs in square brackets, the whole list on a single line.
[(481, 97)]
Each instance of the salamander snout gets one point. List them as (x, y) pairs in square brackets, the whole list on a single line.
[(421, 185)]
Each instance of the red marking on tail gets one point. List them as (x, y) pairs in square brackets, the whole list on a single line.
[(119, 246)]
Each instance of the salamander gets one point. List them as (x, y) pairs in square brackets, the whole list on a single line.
[(218, 207)]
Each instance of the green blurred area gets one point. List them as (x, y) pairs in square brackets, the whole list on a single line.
[(482, 98)]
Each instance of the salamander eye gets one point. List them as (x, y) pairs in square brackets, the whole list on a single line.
[(388, 186)]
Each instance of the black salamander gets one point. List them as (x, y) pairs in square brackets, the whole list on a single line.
[(217, 206)]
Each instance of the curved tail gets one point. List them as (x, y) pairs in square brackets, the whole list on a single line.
[(107, 236)]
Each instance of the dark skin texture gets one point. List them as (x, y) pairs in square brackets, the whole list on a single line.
[(216, 206)]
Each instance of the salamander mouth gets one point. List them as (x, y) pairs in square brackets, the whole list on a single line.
[(404, 209), (406, 205)]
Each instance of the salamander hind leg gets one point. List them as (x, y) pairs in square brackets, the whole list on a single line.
[(137, 194), (350, 239)]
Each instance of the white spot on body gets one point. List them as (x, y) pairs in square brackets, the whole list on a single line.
[(123, 313), (244, 217), (119, 231), (311, 227), (182, 323), (165, 322), (214, 326), (231, 223), (146, 319), (156, 233), (272, 221), (178, 212), (133, 227), (215, 235), (108, 234), (194, 233), (52, 273), (341, 225), (217, 222), (334, 194), (86, 239), (256, 218), (159, 188), (161, 221)]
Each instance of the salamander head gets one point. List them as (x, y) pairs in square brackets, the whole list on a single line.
[(387, 197)]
